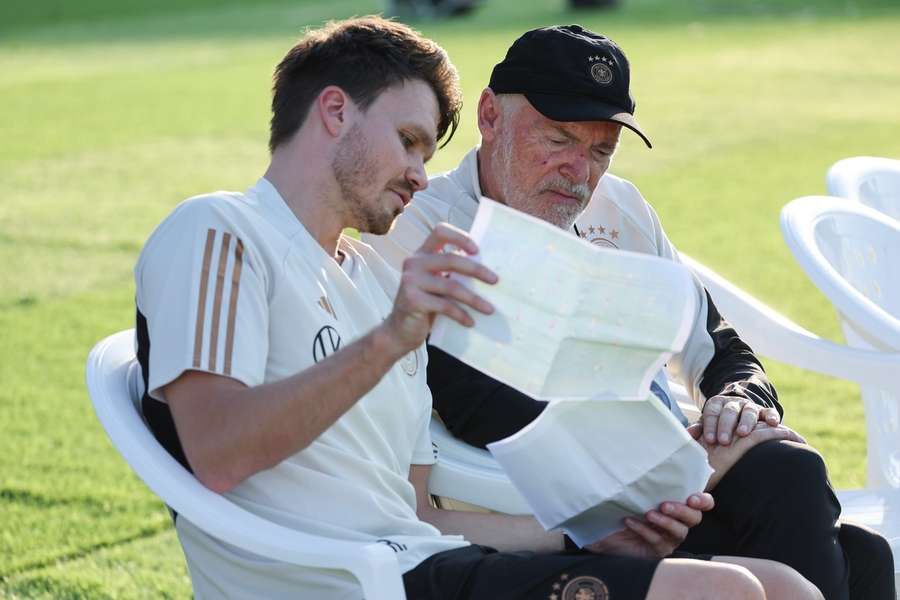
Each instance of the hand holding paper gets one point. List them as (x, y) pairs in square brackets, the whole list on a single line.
[(662, 531)]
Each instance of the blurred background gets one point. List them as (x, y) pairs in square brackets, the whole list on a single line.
[(112, 112)]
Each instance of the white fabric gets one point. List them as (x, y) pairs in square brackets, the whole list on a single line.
[(585, 320), (617, 216), (275, 302)]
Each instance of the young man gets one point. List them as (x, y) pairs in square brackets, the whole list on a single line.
[(550, 121), (285, 364)]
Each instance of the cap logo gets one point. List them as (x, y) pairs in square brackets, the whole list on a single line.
[(600, 69)]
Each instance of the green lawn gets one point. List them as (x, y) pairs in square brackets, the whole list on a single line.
[(111, 112)]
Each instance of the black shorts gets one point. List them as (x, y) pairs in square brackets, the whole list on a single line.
[(478, 572)]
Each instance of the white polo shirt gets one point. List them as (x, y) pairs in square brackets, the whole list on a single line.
[(233, 284), (616, 216)]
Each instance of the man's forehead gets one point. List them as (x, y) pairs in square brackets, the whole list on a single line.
[(415, 106), (595, 131)]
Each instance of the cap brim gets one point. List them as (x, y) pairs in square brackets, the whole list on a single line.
[(579, 108)]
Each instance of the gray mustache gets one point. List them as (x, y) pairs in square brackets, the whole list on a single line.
[(579, 190)]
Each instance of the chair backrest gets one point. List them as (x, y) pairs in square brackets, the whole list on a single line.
[(850, 253), (872, 181), (114, 383)]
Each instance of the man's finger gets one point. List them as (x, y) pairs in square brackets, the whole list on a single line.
[(444, 234), (682, 513), (749, 417), (770, 416), (711, 411), (728, 421), (674, 528), (650, 535), (703, 501), (441, 286), (449, 263), (695, 430), (764, 433), (431, 304)]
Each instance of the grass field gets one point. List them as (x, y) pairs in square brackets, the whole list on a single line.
[(111, 112)]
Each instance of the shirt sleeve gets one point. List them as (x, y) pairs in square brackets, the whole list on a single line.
[(202, 292), (715, 360)]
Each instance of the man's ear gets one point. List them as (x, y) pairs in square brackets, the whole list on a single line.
[(334, 106), (488, 115)]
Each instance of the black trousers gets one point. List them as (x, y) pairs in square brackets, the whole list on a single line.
[(777, 503), (481, 573)]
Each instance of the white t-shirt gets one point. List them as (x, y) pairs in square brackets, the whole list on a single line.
[(233, 284), (616, 216)]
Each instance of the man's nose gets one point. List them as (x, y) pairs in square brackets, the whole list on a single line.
[(416, 176), (576, 168)]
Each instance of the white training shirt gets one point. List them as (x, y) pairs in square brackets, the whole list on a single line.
[(233, 284), (616, 216)]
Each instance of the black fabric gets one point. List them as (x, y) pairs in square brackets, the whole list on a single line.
[(777, 503), (478, 572), (156, 413), (734, 363), (474, 407), (871, 562)]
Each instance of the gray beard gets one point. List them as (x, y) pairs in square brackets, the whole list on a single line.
[(560, 215)]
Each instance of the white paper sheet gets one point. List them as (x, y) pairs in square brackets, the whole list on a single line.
[(585, 328), (572, 320), (584, 465)]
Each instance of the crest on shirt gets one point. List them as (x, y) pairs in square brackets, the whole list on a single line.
[(410, 363), (601, 69), (579, 588), (600, 236)]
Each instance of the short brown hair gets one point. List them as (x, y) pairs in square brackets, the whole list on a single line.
[(363, 56)]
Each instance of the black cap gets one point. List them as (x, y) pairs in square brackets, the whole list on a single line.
[(569, 74)]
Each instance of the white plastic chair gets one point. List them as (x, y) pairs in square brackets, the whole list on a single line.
[(850, 252), (114, 382), (872, 181), (770, 334)]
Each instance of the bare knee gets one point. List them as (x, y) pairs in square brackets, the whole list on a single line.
[(682, 579), (779, 581)]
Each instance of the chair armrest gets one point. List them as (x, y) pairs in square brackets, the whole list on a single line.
[(470, 474), (772, 334), (109, 363)]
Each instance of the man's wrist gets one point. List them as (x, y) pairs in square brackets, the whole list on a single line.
[(385, 347)]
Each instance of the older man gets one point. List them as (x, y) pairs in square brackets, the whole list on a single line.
[(550, 121)]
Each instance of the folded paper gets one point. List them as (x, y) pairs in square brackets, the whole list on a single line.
[(584, 465)]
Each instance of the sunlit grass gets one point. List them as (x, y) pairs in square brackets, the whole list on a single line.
[(108, 123)]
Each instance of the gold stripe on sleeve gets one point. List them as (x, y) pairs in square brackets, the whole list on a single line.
[(201, 302), (217, 302), (232, 303)]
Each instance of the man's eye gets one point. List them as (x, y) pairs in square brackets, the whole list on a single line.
[(557, 141), (406, 140)]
